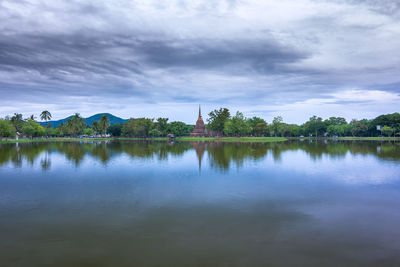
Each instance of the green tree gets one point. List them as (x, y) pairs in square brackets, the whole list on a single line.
[(96, 127), (155, 133), (315, 126), (6, 129), (359, 128), (17, 121), (45, 116), (339, 130), (179, 128), (260, 129), (162, 125), (390, 120), (238, 125), (217, 119), (104, 123), (75, 125), (386, 130), (115, 130), (33, 129), (137, 127), (51, 131), (88, 131), (296, 130), (262, 126), (276, 124), (335, 121), (396, 129)]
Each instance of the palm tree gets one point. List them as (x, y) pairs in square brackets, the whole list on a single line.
[(104, 123), (75, 125), (95, 126), (45, 116)]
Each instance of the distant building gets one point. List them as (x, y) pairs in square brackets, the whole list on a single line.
[(200, 128)]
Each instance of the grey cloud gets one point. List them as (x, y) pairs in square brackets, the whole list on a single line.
[(262, 56), (387, 7), (92, 51), (84, 55), (350, 102), (50, 54), (390, 7)]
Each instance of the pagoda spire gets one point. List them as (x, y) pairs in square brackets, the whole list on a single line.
[(199, 128), (199, 111)]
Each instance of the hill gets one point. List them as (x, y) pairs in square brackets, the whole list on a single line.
[(113, 120)]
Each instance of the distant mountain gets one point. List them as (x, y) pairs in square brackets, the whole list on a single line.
[(113, 120)]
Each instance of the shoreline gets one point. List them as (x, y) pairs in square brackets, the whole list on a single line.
[(219, 139)]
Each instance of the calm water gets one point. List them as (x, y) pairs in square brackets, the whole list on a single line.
[(200, 204)]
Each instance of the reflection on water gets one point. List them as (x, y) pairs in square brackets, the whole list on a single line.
[(200, 204), (222, 155)]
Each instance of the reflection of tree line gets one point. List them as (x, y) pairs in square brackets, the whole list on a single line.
[(221, 155), (76, 152), (338, 149)]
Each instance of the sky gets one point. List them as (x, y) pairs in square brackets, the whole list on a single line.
[(286, 58)]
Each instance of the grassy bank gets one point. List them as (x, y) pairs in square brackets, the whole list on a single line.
[(349, 138), (370, 138), (219, 139), (57, 139), (233, 139)]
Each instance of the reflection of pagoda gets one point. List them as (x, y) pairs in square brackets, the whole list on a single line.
[(199, 129), (200, 147)]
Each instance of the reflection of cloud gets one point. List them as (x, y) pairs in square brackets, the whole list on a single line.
[(350, 168), (349, 162)]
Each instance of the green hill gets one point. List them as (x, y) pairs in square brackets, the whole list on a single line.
[(113, 120)]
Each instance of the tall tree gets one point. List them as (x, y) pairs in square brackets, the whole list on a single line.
[(315, 126), (162, 125), (95, 126), (45, 116), (359, 128), (104, 123), (237, 125), (217, 119), (260, 129), (16, 120), (276, 125), (75, 125)]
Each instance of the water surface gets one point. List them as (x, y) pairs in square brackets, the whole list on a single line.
[(200, 204)]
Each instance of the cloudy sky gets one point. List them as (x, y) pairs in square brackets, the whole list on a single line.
[(163, 58)]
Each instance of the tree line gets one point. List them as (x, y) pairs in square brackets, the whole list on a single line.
[(220, 122), (76, 126)]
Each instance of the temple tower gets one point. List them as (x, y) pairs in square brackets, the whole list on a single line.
[(200, 128)]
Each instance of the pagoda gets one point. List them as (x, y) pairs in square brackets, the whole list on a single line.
[(200, 128)]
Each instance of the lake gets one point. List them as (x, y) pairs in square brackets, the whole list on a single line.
[(294, 203)]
